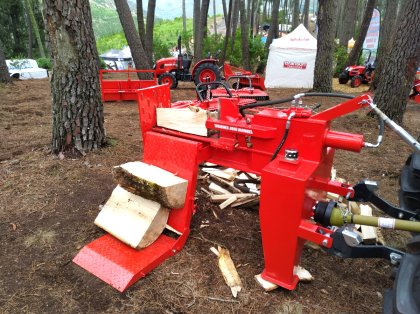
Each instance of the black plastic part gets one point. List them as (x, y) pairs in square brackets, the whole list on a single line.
[(341, 249), (322, 213), (363, 193), (409, 193)]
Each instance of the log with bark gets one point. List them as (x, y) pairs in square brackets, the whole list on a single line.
[(152, 183)]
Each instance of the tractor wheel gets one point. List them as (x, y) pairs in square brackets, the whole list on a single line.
[(356, 81), (207, 72), (343, 78), (168, 78)]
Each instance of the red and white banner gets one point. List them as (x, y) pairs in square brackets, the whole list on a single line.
[(372, 37), (295, 65)]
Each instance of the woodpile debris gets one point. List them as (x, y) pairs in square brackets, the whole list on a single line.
[(230, 188)]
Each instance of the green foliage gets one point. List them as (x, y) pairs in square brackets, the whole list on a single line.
[(44, 63), (340, 58), (102, 64), (212, 44)]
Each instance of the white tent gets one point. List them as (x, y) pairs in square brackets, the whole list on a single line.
[(291, 60), (118, 59)]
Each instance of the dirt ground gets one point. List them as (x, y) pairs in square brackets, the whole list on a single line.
[(48, 205)]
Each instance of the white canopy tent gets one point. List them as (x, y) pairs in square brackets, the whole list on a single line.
[(291, 60), (118, 59)]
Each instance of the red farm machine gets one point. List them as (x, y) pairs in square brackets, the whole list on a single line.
[(358, 74), (415, 92), (290, 147), (174, 69)]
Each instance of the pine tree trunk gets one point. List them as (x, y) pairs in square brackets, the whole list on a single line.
[(357, 48), (4, 71), (235, 15), (244, 36), (133, 39), (184, 17), (228, 27), (214, 17), (140, 22), (326, 20), (306, 14), (348, 23), (386, 40), (150, 23), (78, 119), (35, 28), (30, 38), (196, 24), (273, 32), (295, 14), (400, 67), (225, 13), (202, 29)]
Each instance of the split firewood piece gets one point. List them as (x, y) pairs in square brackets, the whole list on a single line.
[(152, 183), (224, 197), (253, 198), (369, 233), (333, 173), (224, 184), (217, 189), (354, 208), (228, 269), (303, 274), (229, 201), (266, 285), (132, 219), (183, 119), (227, 174)]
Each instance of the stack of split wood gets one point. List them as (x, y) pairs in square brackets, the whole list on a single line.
[(221, 188), (138, 209)]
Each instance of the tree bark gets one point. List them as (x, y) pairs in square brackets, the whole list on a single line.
[(225, 13), (133, 39), (196, 25), (227, 36), (306, 14), (274, 27), (140, 22), (150, 23), (184, 17), (349, 22), (326, 20), (214, 17), (295, 22), (357, 48), (4, 71), (30, 38), (244, 36), (202, 29), (400, 68), (35, 28), (78, 119), (235, 15), (386, 40)]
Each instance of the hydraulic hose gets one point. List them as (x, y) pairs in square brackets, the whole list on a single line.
[(285, 134)]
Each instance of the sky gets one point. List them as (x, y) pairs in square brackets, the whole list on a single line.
[(169, 9)]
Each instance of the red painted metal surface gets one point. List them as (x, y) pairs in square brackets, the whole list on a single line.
[(257, 81), (115, 86), (289, 187), (120, 265)]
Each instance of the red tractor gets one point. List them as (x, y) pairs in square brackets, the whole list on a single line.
[(172, 70), (415, 92), (358, 74)]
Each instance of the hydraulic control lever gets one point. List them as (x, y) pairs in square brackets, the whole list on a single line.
[(364, 191)]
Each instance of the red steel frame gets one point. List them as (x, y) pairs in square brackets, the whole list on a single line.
[(119, 89), (289, 188)]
